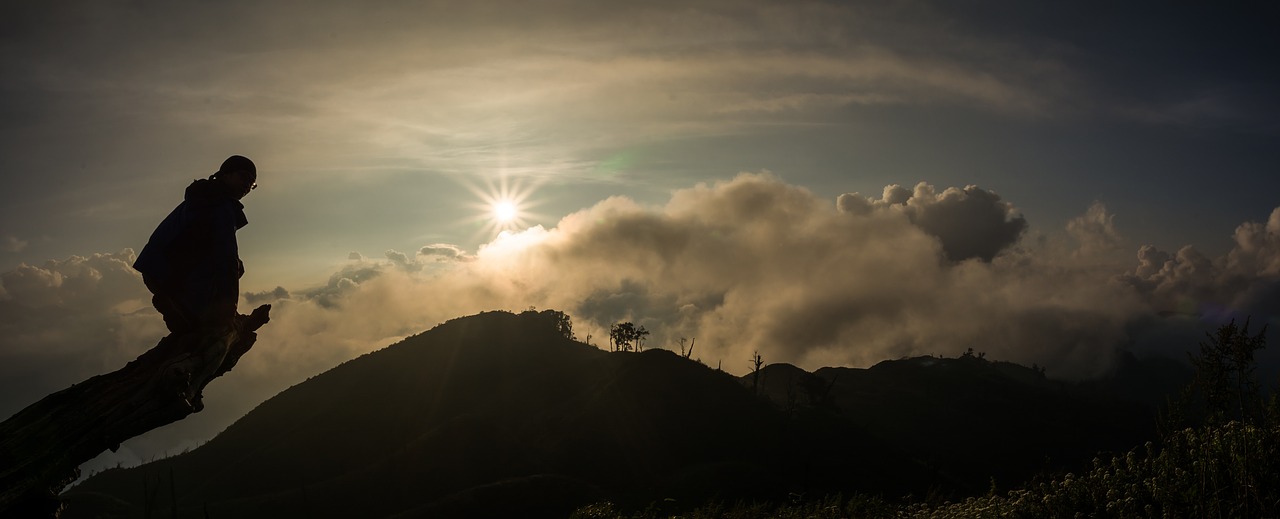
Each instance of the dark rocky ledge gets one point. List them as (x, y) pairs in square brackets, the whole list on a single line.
[(42, 446)]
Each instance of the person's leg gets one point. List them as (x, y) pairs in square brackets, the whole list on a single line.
[(206, 308), (176, 318)]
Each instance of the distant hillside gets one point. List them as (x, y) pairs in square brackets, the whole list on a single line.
[(971, 420), (499, 414)]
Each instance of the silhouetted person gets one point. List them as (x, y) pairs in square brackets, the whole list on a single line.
[(192, 264)]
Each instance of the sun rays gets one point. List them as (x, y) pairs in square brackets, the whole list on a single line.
[(504, 205)]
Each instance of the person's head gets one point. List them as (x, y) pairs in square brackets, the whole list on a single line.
[(239, 173)]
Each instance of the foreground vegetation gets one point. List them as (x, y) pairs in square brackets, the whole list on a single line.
[(1220, 457)]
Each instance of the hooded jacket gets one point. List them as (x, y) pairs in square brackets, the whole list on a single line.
[(193, 253)]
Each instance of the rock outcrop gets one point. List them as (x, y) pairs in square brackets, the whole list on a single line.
[(42, 446)]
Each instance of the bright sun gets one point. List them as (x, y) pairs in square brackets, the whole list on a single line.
[(505, 211), (504, 205)]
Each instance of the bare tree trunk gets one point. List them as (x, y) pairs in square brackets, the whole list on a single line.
[(43, 445)]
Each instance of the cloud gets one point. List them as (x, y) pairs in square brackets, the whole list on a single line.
[(1257, 248), (397, 257), (756, 264), (691, 71), (1095, 231), (745, 265), (257, 298), (346, 279), (443, 252), (426, 256), (970, 222), (77, 283), (66, 320), (1244, 281)]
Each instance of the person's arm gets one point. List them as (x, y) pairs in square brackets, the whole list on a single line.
[(227, 268)]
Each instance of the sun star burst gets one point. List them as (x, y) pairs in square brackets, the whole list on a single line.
[(503, 205)]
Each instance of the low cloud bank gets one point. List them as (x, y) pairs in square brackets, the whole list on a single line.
[(753, 264), (745, 265), (65, 320), (1245, 280)]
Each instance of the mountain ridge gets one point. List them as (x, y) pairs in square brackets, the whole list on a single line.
[(503, 408)]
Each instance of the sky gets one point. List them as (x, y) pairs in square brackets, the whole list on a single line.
[(827, 183)]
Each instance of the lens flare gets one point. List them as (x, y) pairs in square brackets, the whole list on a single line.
[(503, 204), (505, 211)]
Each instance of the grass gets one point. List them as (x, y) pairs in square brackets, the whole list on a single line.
[(1227, 470)]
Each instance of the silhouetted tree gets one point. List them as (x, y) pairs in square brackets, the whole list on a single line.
[(689, 353), (1225, 382), (622, 335), (564, 324), (756, 362), (561, 320), (627, 336), (618, 337)]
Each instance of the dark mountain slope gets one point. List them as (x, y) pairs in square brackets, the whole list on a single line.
[(498, 413), (972, 420)]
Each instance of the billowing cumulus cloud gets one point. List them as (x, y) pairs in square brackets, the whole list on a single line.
[(66, 320), (754, 264), (745, 265), (400, 258), (80, 284), (970, 222), (1246, 279), (1257, 250), (1095, 231)]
